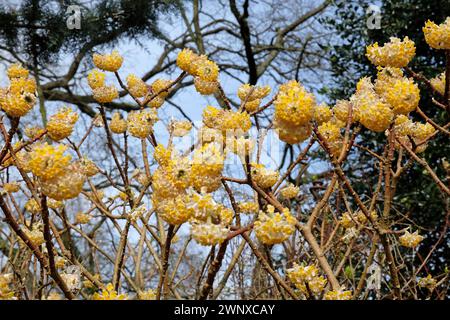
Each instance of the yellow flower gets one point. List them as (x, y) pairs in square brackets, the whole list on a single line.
[(330, 131), (294, 105), (401, 93), (159, 86), (108, 62), (437, 36), (147, 295), (61, 124), (11, 187), (136, 86), (207, 70), (6, 293), (265, 178), (17, 105), (289, 191), (248, 207), (82, 218), (105, 94), (48, 161), (410, 240), (180, 128), (274, 227), (22, 85), (185, 60), (108, 293), (205, 87), (251, 93), (338, 295), (341, 111), (118, 125), (17, 71), (374, 114), (140, 123), (292, 134), (395, 53), (438, 83), (208, 234), (428, 282), (33, 206), (175, 210), (322, 113), (67, 185), (96, 79)]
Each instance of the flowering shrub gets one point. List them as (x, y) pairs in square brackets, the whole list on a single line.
[(329, 240)]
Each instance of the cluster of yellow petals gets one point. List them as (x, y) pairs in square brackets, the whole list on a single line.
[(118, 124), (289, 191), (395, 53), (6, 293), (108, 62), (140, 122), (60, 125), (205, 72), (226, 120), (338, 295), (437, 36), (48, 161), (410, 240), (265, 178), (19, 98), (274, 227), (108, 293), (136, 86), (401, 93), (251, 96), (96, 79), (306, 279)]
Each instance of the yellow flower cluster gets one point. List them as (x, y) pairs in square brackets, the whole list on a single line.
[(437, 36), (322, 113), (338, 295), (108, 293), (118, 125), (248, 207), (331, 132), (251, 96), (419, 132), (226, 121), (205, 72), (32, 206), (140, 122), (180, 128), (147, 295), (274, 227), (136, 86), (265, 178), (295, 108), (341, 111), (207, 165), (96, 79), (438, 83), (428, 282), (159, 87), (82, 218), (289, 191), (374, 113), (35, 235), (401, 93), (395, 53), (5, 290), (410, 240), (60, 125), (105, 94), (306, 279), (294, 105), (108, 62), (208, 233), (19, 98), (48, 161), (11, 187), (68, 185)]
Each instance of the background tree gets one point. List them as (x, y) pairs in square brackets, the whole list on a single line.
[(417, 196)]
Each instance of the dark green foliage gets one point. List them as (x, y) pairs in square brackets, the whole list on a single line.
[(37, 30), (417, 196)]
